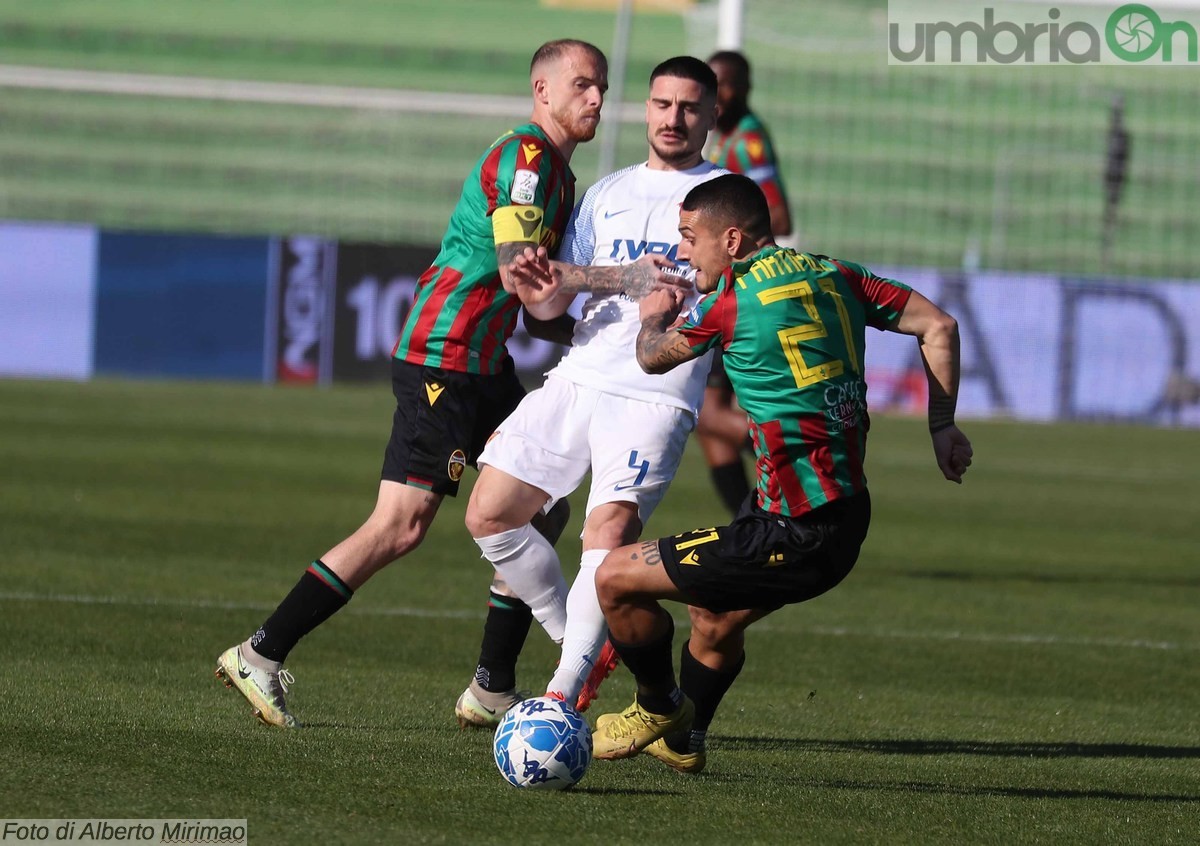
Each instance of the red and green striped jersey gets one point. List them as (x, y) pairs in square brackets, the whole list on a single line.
[(793, 330), (747, 149), (462, 317)]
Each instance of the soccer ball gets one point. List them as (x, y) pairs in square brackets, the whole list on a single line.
[(543, 743)]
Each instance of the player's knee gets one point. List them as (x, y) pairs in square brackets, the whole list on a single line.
[(394, 532), (483, 519), (609, 583), (404, 537), (493, 509), (613, 527), (476, 520)]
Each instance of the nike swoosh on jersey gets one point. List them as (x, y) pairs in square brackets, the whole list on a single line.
[(609, 214)]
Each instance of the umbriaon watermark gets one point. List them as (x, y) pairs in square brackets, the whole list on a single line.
[(941, 32)]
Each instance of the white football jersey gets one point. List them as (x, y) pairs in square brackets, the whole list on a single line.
[(621, 218)]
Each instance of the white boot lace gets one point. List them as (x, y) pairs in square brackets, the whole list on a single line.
[(280, 682)]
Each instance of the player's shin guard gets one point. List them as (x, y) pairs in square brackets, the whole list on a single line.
[(652, 667), (504, 634), (529, 566), (706, 688), (316, 597), (585, 631)]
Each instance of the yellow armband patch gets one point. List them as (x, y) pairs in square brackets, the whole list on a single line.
[(517, 224)]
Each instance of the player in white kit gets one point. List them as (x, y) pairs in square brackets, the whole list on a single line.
[(598, 410)]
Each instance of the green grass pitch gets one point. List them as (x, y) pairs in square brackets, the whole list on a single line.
[(1012, 661)]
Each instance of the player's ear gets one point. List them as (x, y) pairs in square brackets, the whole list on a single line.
[(731, 240)]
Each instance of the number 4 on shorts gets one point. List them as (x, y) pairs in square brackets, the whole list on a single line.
[(642, 467)]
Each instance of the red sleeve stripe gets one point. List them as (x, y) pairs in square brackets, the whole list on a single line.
[(709, 326), (487, 177), (873, 289), (729, 312)]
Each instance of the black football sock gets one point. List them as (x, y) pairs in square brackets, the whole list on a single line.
[(316, 597), (706, 688), (652, 667), (504, 632), (731, 484)]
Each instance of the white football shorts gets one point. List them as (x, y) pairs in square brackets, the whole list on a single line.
[(562, 430)]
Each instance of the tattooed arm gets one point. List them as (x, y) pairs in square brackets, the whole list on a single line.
[(546, 288), (506, 254), (660, 348), (638, 279)]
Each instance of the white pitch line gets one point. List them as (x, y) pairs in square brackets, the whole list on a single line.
[(769, 626), (281, 93), (155, 602), (983, 637)]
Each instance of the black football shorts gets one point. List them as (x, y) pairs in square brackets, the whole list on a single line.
[(766, 561), (442, 420)]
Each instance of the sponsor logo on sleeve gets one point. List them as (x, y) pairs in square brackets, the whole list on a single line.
[(524, 187)]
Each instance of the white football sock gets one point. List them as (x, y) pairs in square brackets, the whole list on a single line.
[(586, 630), (529, 566)]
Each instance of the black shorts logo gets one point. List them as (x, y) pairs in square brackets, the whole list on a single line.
[(433, 390), (456, 465), (697, 537)]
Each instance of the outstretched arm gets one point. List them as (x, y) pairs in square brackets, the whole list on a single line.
[(546, 287), (937, 334), (660, 348), (647, 274)]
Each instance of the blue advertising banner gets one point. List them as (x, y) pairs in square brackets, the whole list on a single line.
[(1041, 347), (47, 282), (181, 305)]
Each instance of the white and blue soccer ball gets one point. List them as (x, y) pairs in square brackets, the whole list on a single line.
[(544, 744)]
